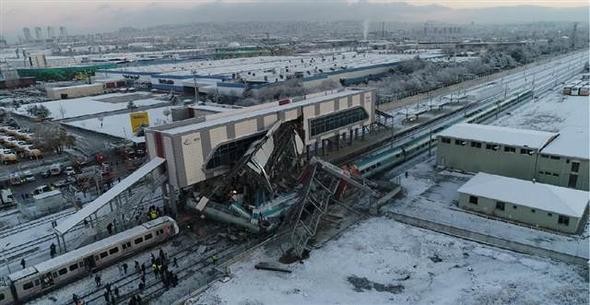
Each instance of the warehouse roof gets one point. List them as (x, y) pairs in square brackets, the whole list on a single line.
[(570, 143), (238, 115), (499, 135), (550, 198)]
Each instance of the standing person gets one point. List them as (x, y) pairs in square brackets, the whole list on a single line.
[(175, 262), (125, 268), (120, 268), (97, 280), (23, 263), (116, 291), (110, 228), (52, 250), (106, 296), (143, 268), (137, 268)]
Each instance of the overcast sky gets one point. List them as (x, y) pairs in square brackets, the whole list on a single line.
[(81, 16)]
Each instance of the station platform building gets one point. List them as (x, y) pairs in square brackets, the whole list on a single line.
[(202, 148)]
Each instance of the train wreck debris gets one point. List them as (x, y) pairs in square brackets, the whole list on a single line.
[(255, 194)]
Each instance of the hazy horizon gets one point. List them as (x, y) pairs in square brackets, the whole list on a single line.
[(109, 15)]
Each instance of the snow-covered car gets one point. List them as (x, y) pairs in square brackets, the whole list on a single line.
[(28, 176), (69, 171)]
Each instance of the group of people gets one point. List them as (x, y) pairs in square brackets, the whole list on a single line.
[(160, 268), (161, 271)]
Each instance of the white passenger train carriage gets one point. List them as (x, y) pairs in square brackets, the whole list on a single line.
[(33, 281)]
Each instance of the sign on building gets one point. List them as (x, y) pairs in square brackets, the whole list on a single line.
[(139, 119)]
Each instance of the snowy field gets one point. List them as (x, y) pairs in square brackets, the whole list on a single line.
[(406, 265), (71, 108), (119, 125), (402, 265)]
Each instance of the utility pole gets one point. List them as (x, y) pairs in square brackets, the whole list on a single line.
[(196, 88)]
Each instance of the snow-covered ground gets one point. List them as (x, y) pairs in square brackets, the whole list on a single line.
[(381, 261), (71, 108), (119, 125), (402, 265)]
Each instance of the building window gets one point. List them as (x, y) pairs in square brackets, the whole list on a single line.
[(337, 120), (500, 205), (148, 236), (549, 214), (113, 250), (138, 240), (445, 140), (231, 152), (28, 285), (575, 167), (555, 175), (524, 151), (476, 144), (563, 220), (492, 146), (545, 156), (533, 211), (514, 207), (509, 149), (459, 142), (555, 157), (103, 255), (62, 271), (473, 199), (73, 267)]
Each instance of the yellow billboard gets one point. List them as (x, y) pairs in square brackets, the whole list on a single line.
[(139, 119)]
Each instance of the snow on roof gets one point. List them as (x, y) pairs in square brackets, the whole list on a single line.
[(119, 125), (89, 105), (499, 135), (546, 197), (569, 143), (238, 115), (109, 195)]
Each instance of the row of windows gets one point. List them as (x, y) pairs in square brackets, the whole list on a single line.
[(337, 120), (102, 255), (501, 206), (494, 147), (549, 173), (550, 157)]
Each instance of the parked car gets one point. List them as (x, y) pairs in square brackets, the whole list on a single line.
[(69, 171), (28, 176)]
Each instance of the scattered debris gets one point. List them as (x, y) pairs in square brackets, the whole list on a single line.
[(271, 267), (435, 258), (362, 283)]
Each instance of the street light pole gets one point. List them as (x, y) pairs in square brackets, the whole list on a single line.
[(196, 88)]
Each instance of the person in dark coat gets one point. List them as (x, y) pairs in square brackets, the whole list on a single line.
[(23, 263), (52, 250), (97, 280)]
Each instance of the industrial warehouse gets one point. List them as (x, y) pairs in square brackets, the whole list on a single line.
[(232, 77), (536, 204), (518, 153)]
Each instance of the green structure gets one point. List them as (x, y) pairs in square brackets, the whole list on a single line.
[(62, 73)]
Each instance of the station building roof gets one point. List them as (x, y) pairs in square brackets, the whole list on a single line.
[(500, 135), (250, 112), (546, 197)]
